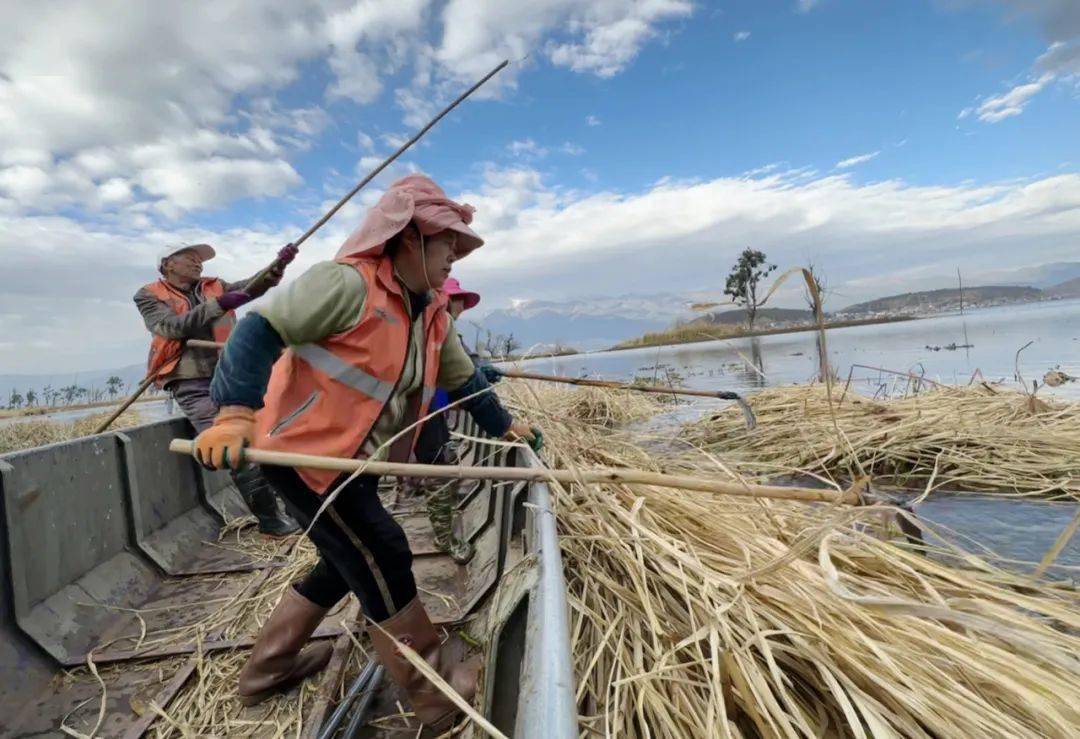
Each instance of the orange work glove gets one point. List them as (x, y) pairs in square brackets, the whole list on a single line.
[(222, 445)]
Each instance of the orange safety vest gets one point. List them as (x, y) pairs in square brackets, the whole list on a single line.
[(165, 353), (325, 397)]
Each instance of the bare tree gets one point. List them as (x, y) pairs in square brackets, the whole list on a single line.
[(510, 345), (16, 399), (31, 397)]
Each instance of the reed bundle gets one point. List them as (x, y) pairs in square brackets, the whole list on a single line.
[(39, 432), (696, 615), (966, 439)]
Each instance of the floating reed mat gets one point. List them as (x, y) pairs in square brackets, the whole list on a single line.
[(970, 439), (28, 434), (697, 615)]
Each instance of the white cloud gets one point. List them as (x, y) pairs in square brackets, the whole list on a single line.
[(1011, 103), (1060, 24), (365, 142), (1061, 59), (395, 140), (599, 37), (613, 35), (572, 149), (367, 39), (554, 243), (805, 6), (526, 149), (741, 36), (591, 120), (856, 160)]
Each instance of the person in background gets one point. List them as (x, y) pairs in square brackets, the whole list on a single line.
[(433, 447), (183, 305), (343, 363)]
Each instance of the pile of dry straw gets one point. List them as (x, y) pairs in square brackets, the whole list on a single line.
[(696, 615), (18, 435), (967, 439)]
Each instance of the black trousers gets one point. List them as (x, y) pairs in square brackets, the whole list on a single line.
[(361, 547), (432, 440)]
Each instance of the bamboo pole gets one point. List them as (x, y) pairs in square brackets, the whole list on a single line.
[(540, 474), (327, 216)]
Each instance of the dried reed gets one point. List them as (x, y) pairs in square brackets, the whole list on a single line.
[(966, 439), (696, 615)]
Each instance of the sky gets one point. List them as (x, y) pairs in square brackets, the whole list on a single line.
[(631, 147)]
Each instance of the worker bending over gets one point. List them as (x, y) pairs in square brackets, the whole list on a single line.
[(367, 340), (185, 305)]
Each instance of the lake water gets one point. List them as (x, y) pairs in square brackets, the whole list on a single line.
[(1016, 530), (744, 365)]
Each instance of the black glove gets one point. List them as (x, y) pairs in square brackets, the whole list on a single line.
[(491, 374)]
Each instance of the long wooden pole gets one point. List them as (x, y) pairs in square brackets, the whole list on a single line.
[(329, 214), (534, 474), (126, 404), (748, 413), (751, 421), (612, 385)]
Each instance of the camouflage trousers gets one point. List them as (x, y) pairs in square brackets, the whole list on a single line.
[(441, 500), (433, 447)]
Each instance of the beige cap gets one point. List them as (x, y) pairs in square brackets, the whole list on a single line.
[(205, 252)]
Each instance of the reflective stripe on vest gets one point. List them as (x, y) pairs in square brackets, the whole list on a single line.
[(165, 353), (326, 361), (325, 397)]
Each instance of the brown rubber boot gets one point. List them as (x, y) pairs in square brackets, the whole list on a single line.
[(412, 626), (277, 662)]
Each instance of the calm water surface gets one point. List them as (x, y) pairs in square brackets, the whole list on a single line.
[(1017, 530)]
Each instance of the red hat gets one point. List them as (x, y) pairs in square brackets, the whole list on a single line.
[(453, 290)]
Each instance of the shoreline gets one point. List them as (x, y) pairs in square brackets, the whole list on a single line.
[(48, 410), (801, 328)]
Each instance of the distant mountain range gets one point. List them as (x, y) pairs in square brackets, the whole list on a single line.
[(931, 301)]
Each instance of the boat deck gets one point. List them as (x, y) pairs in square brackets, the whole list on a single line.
[(134, 585)]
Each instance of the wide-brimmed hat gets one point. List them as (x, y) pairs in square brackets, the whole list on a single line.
[(418, 199), (453, 289), (205, 252)]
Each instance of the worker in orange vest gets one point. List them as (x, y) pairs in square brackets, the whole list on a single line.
[(342, 363), (185, 305)]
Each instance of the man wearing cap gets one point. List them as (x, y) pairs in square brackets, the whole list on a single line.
[(342, 363), (185, 305)]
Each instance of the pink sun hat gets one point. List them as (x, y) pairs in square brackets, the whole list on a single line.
[(413, 198), (453, 289)]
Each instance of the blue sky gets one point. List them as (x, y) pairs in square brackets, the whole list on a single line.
[(807, 88), (634, 146)]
